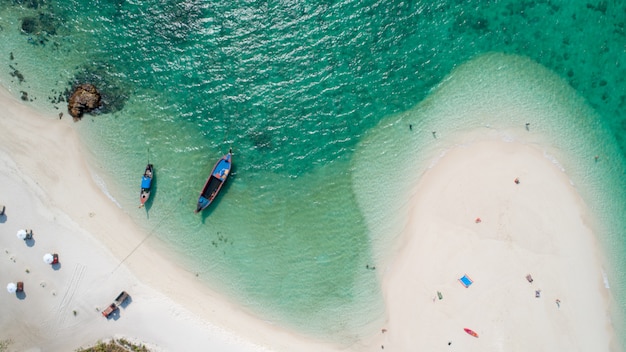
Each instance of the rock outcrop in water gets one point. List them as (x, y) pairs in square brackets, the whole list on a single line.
[(84, 99)]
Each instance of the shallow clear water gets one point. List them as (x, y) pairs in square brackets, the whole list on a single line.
[(292, 88)]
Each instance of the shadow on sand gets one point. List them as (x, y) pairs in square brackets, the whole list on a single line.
[(30, 242), (114, 315), (126, 302)]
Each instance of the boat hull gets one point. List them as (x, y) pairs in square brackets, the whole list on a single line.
[(146, 185), (214, 183)]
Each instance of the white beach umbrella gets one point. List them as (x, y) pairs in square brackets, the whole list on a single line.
[(11, 287), (21, 234), (48, 258)]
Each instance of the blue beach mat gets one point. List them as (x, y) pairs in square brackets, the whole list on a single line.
[(466, 281)]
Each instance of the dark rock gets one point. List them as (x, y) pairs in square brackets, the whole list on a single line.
[(85, 98), (29, 25), (40, 27), (48, 23), (17, 74), (602, 6), (113, 91)]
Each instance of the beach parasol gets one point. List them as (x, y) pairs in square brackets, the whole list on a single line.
[(48, 258), (21, 234), (11, 287)]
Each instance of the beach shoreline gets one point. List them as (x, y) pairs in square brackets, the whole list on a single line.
[(50, 188), (47, 186)]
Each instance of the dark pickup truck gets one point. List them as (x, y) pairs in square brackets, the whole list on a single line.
[(121, 298)]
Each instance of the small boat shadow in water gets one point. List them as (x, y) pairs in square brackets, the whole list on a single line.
[(216, 202), (208, 211)]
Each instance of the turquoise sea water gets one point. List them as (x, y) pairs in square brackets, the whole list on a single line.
[(293, 88)]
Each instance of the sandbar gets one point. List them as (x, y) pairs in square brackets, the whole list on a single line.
[(497, 211)]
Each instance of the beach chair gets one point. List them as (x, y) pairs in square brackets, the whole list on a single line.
[(2, 208), (466, 281)]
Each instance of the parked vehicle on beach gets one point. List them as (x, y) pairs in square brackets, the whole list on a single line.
[(214, 183), (109, 310), (119, 300)]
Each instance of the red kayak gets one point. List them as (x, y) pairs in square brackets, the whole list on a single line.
[(471, 332)]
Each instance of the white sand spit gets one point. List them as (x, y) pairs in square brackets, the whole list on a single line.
[(536, 227)]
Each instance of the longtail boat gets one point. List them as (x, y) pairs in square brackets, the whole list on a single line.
[(146, 184), (214, 183)]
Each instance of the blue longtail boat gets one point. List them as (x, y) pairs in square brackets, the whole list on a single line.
[(214, 183), (146, 185)]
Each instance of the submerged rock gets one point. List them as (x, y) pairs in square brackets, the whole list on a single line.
[(114, 92), (85, 98), (29, 25), (42, 24)]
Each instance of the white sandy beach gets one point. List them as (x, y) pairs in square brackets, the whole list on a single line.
[(47, 186), (539, 227)]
